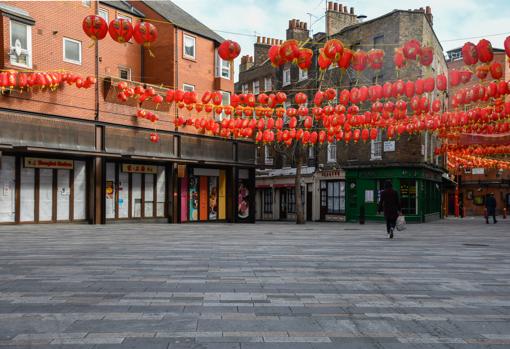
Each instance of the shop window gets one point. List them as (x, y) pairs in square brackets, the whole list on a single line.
[(291, 200), (286, 77), (331, 152), (189, 46), (21, 44), (408, 196), (103, 13), (333, 196), (7, 189), (268, 200), (268, 84), (256, 87), (72, 51)]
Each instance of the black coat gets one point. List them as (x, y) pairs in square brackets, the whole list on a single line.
[(389, 203), (490, 204)]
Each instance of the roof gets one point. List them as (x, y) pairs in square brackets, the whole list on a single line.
[(123, 6), (182, 19), (16, 13)]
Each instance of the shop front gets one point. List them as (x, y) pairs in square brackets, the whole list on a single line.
[(419, 190), (42, 190)]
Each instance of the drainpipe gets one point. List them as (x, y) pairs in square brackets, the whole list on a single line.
[(96, 67)]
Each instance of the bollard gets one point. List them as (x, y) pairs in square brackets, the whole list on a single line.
[(362, 215)]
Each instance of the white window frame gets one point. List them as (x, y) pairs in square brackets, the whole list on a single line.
[(103, 13), (79, 62), (224, 103), (303, 74), (188, 87), (286, 79), (86, 3), (122, 16), (331, 152), (268, 84), (128, 72), (28, 51), (256, 87), (268, 159), (376, 147), (244, 88), (220, 68), (184, 37)]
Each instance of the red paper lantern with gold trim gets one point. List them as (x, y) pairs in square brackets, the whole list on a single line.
[(121, 30), (95, 27), (145, 33), (229, 50)]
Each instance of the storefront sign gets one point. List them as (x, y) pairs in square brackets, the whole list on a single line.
[(478, 171), (135, 168), (389, 146), (49, 163)]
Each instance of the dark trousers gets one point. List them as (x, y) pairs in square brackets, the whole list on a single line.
[(489, 214), (390, 224)]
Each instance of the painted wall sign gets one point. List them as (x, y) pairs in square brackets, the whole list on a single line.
[(136, 168), (49, 163)]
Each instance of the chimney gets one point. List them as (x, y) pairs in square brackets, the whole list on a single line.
[(297, 30), (246, 63), (261, 48), (428, 14), (338, 17)]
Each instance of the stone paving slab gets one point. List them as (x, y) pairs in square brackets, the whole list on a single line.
[(438, 285)]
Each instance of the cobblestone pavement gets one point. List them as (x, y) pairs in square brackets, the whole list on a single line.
[(438, 285)]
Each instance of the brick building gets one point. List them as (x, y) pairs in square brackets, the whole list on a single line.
[(341, 180), (80, 155), (475, 184)]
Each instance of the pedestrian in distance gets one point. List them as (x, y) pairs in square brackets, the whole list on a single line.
[(390, 205), (490, 205)]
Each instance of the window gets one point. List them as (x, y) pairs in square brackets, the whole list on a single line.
[(268, 84), (291, 201), (331, 152), (303, 74), (334, 199), (188, 88), (225, 100), (103, 13), (244, 88), (127, 18), (125, 73), (86, 3), (376, 147), (268, 157), (378, 41), (286, 77), (408, 197), (268, 200), (256, 89), (72, 51), (21, 44), (311, 152), (222, 67), (189, 46)]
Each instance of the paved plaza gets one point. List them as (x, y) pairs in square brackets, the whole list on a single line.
[(202, 286)]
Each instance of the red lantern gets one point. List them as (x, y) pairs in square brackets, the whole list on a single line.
[(323, 61), (145, 33), (496, 70), (333, 49), (399, 58), (304, 59), (409, 89), (154, 137), (482, 71), (469, 53), (95, 27), (359, 60), (441, 82), (485, 52), (412, 49), (330, 94), (289, 50), (429, 84), (507, 46), (427, 56), (374, 133), (300, 98), (121, 30), (365, 134), (375, 58), (229, 50), (345, 60), (275, 57)]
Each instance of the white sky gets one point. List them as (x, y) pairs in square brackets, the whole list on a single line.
[(453, 19)]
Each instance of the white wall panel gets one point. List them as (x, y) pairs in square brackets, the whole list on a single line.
[(27, 197), (80, 190)]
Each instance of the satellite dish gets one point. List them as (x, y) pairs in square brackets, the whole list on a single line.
[(17, 47)]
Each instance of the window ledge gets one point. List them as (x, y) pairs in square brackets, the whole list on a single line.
[(188, 58)]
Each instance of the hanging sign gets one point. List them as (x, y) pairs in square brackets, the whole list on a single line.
[(49, 163), (181, 171), (136, 168)]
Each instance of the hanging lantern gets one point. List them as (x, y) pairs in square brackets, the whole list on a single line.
[(482, 71), (409, 89), (323, 61), (345, 61), (289, 50), (300, 98), (375, 58), (121, 30), (304, 59), (485, 52), (95, 27), (441, 82), (507, 46), (399, 59), (412, 49), (333, 49), (469, 53), (145, 33), (427, 56), (154, 137), (359, 60), (496, 70), (330, 94), (229, 50)]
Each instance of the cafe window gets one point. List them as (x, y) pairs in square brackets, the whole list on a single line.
[(189, 46), (21, 44), (268, 200), (408, 196)]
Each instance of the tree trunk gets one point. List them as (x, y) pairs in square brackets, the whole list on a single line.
[(300, 216)]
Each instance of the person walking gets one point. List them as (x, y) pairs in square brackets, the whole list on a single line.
[(490, 205), (390, 204)]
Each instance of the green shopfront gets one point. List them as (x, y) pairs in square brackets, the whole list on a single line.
[(419, 189)]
